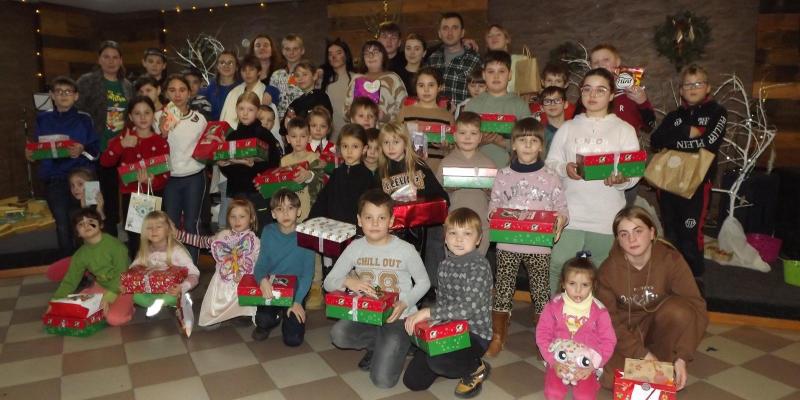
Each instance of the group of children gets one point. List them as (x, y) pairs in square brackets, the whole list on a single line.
[(536, 171)]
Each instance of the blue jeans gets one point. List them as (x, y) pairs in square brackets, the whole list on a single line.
[(183, 199), (389, 342), (268, 317), (59, 199)]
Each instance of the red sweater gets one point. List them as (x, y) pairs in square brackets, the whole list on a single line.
[(115, 155)]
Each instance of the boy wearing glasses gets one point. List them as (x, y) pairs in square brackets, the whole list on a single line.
[(553, 112), (699, 123), (553, 75), (64, 120)]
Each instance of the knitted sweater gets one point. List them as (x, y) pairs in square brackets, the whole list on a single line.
[(106, 260), (393, 92), (116, 155), (465, 292), (182, 140), (281, 255)]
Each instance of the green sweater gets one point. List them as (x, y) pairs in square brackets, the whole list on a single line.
[(106, 260)]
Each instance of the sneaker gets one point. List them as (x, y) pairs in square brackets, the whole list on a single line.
[(315, 299), (471, 385), (366, 361), (260, 334)]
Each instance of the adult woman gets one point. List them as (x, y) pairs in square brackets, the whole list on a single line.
[(261, 48), (337, 72), (414, 51), (219, 87), (498, 38), (654, 303), (374, 60), (104, 94)]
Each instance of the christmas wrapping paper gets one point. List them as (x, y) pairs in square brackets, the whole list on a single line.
[(76, 305), (325, 235), (140, 279), (240, 149), (359, 308), (206, 147), (274, 179), (50, 150), (154, 166), (528, 227), (283, 286), (593, 167), (436, 132), (71, 326), (331, 161), (441, 338), (471, 178), (363, 87), (420, 212), (498, 123), (649, 371), (628, 389)]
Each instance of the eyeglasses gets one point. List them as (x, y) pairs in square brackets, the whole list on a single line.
[(694, 85), (595, 91), (226, 63), (547, 102), (63, 92), (372, 53)]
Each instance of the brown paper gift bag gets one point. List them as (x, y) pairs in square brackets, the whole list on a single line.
[(678, 172), (526, 74)]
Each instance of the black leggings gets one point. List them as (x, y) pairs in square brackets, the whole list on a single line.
[(423, 369)]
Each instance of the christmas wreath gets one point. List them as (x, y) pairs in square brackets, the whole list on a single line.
[(682, 38)]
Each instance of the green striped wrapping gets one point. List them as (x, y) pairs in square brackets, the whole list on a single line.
[(444, 345), (521, 237), (363, 316)]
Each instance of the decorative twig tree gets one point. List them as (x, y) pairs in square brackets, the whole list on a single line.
[(200, 53)]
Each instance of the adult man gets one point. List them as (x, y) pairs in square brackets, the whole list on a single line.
[(454, 61)]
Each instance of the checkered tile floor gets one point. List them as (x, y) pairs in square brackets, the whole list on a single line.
[(148, 359)]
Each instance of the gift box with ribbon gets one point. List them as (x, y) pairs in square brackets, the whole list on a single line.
[(73, 326), (498, 123), (140, 279), (240, 149), (470, 178), (528, 227), (440, 338), (76, 305), (325, 235), (274, 179), (420, 212), (50, 150), (631, 387), (154, 166), (283, 287), (360, 308), (206, 147), (363, 87), (436, 132), (593, 167), (331, 161)]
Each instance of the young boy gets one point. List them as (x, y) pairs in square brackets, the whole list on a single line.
[(373, 149), (698, 124), (65, 119), (379, 258), (363, 112), (281, 255), (464, 292), (553, 75), (155, 64), (466, 155), (497, 100), (198, 102), (147, 86), (106, 258), (553, 112), (282, 79), (475, 86)]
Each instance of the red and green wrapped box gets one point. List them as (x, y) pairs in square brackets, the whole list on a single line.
[(331, 161), (420, 212), (441, 338), (283, 286), (436, 132), (594, 167), (242, 148), (206, 147), (140, 279), (274, 179), (73, 326), (50, 150), (154, 166), (528, 227), (498, 123), (360, 308), (324, 235), (468, 178)]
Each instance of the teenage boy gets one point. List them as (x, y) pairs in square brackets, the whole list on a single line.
[(553, 112), (379, 259), (65, 119), (389, 35), (283, 79), (155, 64), (454, 61), (198, 102), (497, 100), (553, 75)]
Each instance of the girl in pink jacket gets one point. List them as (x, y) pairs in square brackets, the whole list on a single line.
[(574, 334)]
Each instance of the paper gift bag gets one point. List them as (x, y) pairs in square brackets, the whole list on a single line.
[(363, 87), (526, 74), (678, 172), (141, 204)]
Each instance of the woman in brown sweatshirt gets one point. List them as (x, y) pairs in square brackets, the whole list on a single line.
[(655, 305)]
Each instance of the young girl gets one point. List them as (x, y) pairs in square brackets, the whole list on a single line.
[(186, 186), (311, 97), (363, 112), (319, 126), (592, 204), (227, 78), (240, 173), (578, 316), (134, 144), (524, 185), (373, 149)]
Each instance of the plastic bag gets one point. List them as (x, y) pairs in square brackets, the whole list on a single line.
[(732, 239), (407, 192)]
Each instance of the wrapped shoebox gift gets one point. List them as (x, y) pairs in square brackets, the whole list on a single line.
[(154, 166), (363, 87), (593, 167), (360, 308), (274, 179), (283, 287), (466, 177), (419, 212), (140, 279), (441, 338), (436, 132), (529, 227), (75, 315), (331, 161), (325, 235), (206, 147), (498, 123), (645, 380), (51, 149), (241, 149)]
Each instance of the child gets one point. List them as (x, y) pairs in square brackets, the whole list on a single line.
[(132, 145), (553, 112), (378, 259), (363, 112), (266, 115), (147, 86), (198, 102), (464, 292), (240, 173), (373, 149), (475, 87), (103, 256), (524, 185), (399, 165), (64, 120), (283, 79), (249, 69), (155, 65), (466, 155), (226, 79), (281, 255), (311, 98), (497, 100), (592, 204), (576, 315), (319, 126), (553, 75), (698, 123)]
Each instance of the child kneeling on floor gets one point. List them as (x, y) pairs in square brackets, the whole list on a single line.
[(379, 258), (464, 293)]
